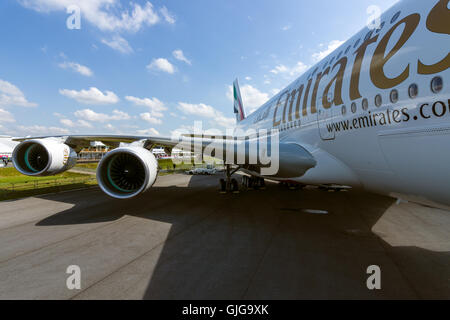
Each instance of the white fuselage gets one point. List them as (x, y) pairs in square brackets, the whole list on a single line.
[(395, 147)]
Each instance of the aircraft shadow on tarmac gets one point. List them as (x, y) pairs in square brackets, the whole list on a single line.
[(268, 244)]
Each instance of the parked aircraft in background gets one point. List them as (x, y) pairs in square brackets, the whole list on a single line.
[(373, 114), (7, 146)]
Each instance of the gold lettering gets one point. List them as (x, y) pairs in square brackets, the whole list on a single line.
[(354, 81), (338, 80), (305, 100), (380, 58), (438, 21), (293, 93), (285, 107), (320, 75), (299, 97), (275, 122)]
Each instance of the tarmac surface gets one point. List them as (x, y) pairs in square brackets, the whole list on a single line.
[(184, 240)]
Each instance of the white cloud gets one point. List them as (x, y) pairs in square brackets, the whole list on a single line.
[(252, 98), (279, 69), (91, 96), (161, 64), (206, 111), (167, 15), (10, 95), (107, 15), (84, 124), (67, 122), (83, 70), (149, 132), (299, 69), (41, 130), (119, 44), (201, 109), (179, 55), (90, 115), (248, 78), (274, 91), (6, 116), (149, 118), (71, 124), (156, 107), (296, 70), (333, 45)]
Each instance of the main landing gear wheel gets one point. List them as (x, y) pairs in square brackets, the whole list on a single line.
[(229, 184), (292, 185), (251, 183), (223, 186)]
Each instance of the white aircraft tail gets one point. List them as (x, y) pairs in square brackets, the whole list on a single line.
[(238, 106)]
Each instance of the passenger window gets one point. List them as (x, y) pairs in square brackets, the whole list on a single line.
[(365, 104), (378, 100), (395, 17), (437, 84), (368, 35), (354, 107), (394, 96), (348, 49), (413, 91)]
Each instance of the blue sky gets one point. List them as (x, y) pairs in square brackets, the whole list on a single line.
[(153, 67)]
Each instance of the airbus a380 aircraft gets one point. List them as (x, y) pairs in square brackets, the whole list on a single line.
[(374, 114)]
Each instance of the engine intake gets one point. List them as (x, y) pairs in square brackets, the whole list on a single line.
[(43, 157), (127, 172)]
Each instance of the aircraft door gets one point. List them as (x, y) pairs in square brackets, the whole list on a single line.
[(324, 121)]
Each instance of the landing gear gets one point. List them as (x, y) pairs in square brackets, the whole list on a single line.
[(333, 188), (292, 185), (251, 183), (229, 184)]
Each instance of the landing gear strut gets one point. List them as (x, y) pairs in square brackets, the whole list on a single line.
[(229, 184), (251, 183)]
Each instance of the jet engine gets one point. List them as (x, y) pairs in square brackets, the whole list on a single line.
[(43, 157), (127, 172)]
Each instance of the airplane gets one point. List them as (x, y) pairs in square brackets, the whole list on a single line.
[(7, 146), (374, 114)]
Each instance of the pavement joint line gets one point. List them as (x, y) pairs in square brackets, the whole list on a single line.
[(57, 242), (65, 239), (166, 240), (31, 221), (50, 194), (381, 243), (258, 267)]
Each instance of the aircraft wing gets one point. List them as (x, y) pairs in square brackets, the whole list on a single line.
[(78, 142), (131, 169)]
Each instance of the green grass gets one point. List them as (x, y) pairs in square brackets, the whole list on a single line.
[(14, 185), (87, 165), (11, 175)]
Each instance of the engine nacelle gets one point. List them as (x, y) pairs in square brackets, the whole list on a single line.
[(127, 172), (43, 157)]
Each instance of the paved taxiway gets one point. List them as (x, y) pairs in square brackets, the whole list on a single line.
[(184, 240)]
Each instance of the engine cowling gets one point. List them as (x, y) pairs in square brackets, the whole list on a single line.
[(43, 157), (127, 172)]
